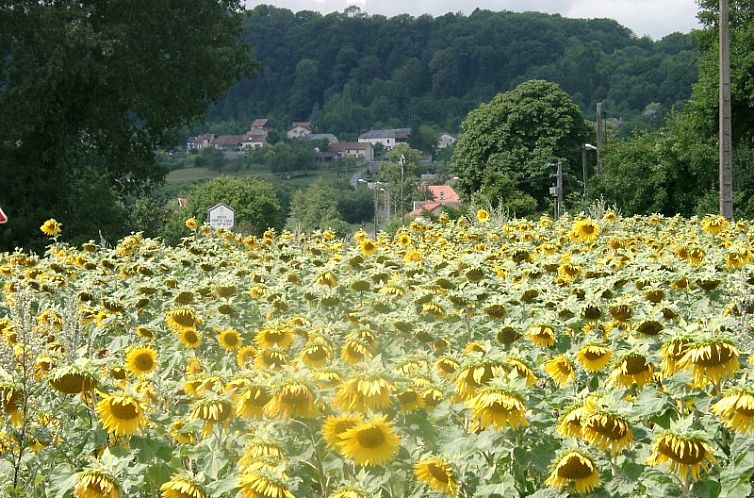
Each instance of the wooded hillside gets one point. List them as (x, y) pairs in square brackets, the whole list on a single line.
[(349, 71)]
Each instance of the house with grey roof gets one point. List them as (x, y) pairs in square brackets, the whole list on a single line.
[(388, 138)]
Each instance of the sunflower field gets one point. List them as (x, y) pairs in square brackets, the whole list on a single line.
[(479, 357)]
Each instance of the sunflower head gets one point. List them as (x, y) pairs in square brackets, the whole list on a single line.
[(121, 414), (181, 486), (229, 339), (371, 442), (710, 361), (91, 483), (141, 360), (605, 429), (51, 227), (736, 410), (574, 468), (560, 370), (685, 454), (498, 408), (437, 474)]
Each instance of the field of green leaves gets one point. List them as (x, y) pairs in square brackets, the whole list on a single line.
[(484, 357)]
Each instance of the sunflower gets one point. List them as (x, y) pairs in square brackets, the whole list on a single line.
[(497, 407), (560, 370), (372, 442), (482, 216), (585, 230), (672, 352), (279, 336), (335, 425), (364, 392), (541, 335), (121, 414), (710, 361), (327, 377), (245, 356), (606, 430), (261, 450), (229, 339), (211, 411), (355, 351), (367, 247), (632, 369), (51, 227), (250, 401), (292, 399), (316, 353), (348, 492), (574, 468), (714, 224), (437, 474), (404, 239), (92, 483), (521, 370), (141, 360), (190, 338), (685, 454), (476, 375), (180, 434), (570, 422), (446, 366), (271, 358), (261, 484), (181, 319), (410, 400), (191, 223), (594, 357), (72, 380), (736, 410), (182, 487)]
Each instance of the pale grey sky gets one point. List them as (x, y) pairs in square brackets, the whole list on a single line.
[(655, 18)]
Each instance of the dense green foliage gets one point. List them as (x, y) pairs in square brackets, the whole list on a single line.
[(516, 137), (349, 71), (254, 201), (316, 208), (675, 170), (88, 90)]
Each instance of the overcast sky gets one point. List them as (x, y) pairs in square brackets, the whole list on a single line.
[(655, 18)]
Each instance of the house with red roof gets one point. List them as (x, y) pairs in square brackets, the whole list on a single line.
[(440, 195)]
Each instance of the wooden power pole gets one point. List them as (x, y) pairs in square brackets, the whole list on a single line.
[(600, 136), (726, 140)]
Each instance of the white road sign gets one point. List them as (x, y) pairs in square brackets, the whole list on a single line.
[(221, 216)]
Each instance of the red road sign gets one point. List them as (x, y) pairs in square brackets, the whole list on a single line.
[(3, 218)]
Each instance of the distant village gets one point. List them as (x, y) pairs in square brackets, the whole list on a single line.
[(362, 151)]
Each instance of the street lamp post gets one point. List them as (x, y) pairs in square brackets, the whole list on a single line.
[(583, 161), (374, 198)]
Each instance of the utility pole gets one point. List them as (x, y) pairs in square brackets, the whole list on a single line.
[(600, 137), (559, 183), (726, 140), (583, 166), (403, 211)]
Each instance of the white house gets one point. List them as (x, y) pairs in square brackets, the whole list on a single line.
[(446, 140), (362, 152), (300, 130), (388, 138), (200, 142)]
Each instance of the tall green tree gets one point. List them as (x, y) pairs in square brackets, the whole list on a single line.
[(254, 201), (517, 134), (90, 89), (316, 208)]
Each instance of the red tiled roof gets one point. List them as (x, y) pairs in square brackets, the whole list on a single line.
[(302, 124), (430, 206), (443, 193), (228, 140), (260, 123)]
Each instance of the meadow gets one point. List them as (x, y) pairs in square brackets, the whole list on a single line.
[(483, 356)]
